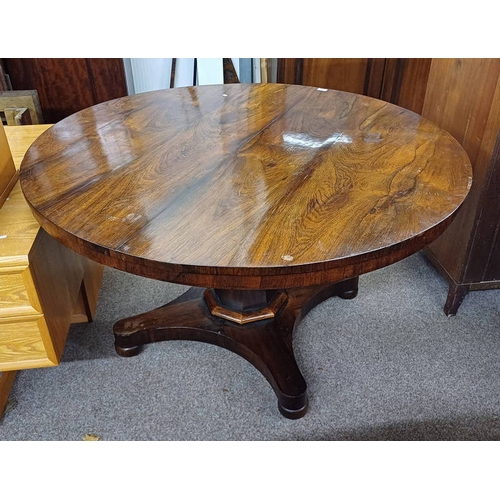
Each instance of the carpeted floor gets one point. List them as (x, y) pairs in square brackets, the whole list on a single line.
[(388, 365)]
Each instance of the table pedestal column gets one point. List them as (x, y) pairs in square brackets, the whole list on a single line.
[(256, 324)]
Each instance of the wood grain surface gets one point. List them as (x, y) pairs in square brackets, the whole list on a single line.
[(6, 381), (245, 186), (464, 98), (68, 85), (20, 139), (8, 173), (44, 286)]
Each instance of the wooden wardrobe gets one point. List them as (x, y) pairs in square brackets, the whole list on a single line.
[(463, 97)]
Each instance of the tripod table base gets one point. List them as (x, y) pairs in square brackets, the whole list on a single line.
[(265, 343)]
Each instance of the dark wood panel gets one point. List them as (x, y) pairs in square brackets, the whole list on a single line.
[(399, 81), (3, 80), (107, 79), (339, 74), (285, 73), (413, 83), (62, 84), (66, 86), (484, 259), (491, 271), (391, 80), (463, 97), (364, 76), (374, 78)]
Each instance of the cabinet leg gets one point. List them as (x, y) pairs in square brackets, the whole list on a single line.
[(6, 381), (456, 295)]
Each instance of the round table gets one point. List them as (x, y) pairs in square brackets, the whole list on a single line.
[(265, 198)]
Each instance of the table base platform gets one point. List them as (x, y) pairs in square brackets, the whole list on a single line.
[(260, 330)]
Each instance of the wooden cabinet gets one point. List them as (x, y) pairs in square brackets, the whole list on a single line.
[(8, 171), (66, 86), (6, 381), (400, 81), (44, 286), (361, 76), (463, 97)]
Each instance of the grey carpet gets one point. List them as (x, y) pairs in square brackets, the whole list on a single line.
[(388, 365)]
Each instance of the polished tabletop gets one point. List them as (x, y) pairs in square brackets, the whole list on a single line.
[(245, 180)]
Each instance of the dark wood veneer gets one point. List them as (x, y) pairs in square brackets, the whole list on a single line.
[(463, 96), (245, 189), (275, 183), (399, 81), (68, 85)]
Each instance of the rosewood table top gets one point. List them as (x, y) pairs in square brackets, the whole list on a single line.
[(249, 186), (266, 199)]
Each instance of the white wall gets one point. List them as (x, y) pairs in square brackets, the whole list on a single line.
[(150, 74), (209, 71), (146, 74)]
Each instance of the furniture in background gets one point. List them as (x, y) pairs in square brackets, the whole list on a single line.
[(3, 79), (6, 382), (399, 81), (21, 107), (44, 286), (8, 172), (67, 85), (463, 97)]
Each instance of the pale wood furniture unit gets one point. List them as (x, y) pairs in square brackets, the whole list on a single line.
[(6, 381), (39, 290), (44, 286), (8, 172)]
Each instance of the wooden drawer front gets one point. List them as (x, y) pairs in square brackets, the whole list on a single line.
[(15, 299), (25, 343)]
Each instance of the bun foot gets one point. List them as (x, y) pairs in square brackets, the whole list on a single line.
[(348, 289), (128, 352), (294, 409), (349, 294)]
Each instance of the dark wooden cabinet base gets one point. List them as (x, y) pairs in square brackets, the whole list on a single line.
[(457, 291), (266, 343), (463, 97), (456, 295)]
